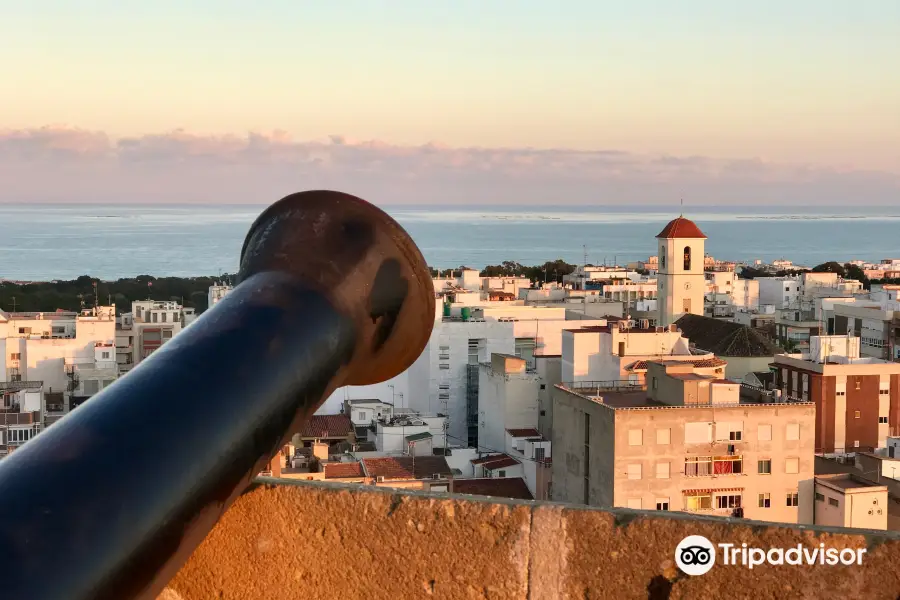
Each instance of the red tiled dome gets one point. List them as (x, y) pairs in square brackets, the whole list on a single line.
[(681, 228)]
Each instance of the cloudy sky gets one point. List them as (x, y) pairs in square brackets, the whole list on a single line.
[(564, 102)]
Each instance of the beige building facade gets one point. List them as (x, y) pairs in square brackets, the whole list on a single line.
[(689, 445)]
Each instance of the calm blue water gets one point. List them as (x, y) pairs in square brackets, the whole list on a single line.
[(42, 242)]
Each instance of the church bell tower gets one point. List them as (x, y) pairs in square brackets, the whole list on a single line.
[(680, 283)]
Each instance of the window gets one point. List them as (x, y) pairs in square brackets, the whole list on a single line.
[(635, 437), (104, 354), (765, 500), (883, 420), (444, 366), (793, 499), (820, 497), (501, 473), (663, 436), (764, 433), (634, 471), (698, 502), (634, 503), (444, 396), (764, 466), (697, 433), (858, 384), (361, 416), (662, 504), (662, 257), (856, 414), (15, 356), (833, 502), (662, 470), (792, 465), (539, 453), (884, 392), (793, 432), (841, 393), (655, 384), (729, 431), (728, 501)]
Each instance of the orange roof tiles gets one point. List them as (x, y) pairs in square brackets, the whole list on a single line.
[(502, 487), (681, 228), (338, 470), (699, 363), (327, 426), (401, 467)]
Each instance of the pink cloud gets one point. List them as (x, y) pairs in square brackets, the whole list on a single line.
[(65, 164)]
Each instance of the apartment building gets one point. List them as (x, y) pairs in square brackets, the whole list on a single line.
[(857, 398), (612, 352), (216, 293), (507, 399), (870, 322), (63, 357), (149, 325), (685, 442)]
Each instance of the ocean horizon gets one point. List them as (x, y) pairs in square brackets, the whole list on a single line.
[(62, 241)]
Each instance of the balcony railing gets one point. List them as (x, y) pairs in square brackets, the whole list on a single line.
[(110, 501)]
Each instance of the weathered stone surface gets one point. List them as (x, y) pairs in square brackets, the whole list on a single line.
[(314, 540)]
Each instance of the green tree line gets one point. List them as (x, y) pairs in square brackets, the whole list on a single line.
[(78, 293)]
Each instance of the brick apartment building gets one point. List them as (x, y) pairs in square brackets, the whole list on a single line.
[(857, 399)]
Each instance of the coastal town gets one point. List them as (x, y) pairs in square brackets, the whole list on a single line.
[(677, 383)]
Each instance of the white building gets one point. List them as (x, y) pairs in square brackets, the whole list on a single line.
[(533, 452), (38, 346), (216, 293), (680, 278), (609, 353), (149, 325), (50, 362), (507, 399), (780, 292)]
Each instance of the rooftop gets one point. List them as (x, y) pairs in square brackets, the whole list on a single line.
[(622, 398), (519, 433), (338, 470), (319, 540), (699, 363), (680, 228), (724, 338), (406, 467), (367, 401), (849, 482), (501, 487), (327, 426)]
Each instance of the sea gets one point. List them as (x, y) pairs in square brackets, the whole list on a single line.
[(45, 242)]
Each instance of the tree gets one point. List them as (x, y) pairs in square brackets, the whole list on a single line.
[(830, 267), (855, 272)]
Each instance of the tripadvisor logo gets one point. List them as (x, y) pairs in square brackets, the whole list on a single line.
[(696, 555)]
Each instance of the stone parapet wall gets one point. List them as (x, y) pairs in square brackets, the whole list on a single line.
[(310, 540)]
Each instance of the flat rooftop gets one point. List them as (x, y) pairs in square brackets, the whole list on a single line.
[(634, 399), (848, 482)]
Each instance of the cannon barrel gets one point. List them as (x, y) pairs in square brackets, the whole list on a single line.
[(108, 503)]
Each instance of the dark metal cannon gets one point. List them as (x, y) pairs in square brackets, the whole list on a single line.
[(109, 502)]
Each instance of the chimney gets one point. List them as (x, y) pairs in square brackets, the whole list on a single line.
[(320, 450)]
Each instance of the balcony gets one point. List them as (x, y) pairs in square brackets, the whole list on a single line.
[(318, 540)]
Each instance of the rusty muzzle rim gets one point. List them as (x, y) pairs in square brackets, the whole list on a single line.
[(364, 261)]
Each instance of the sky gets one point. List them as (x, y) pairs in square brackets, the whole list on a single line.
[(501, 102)]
